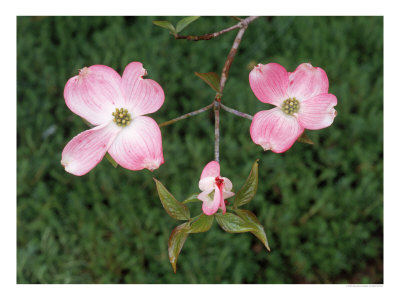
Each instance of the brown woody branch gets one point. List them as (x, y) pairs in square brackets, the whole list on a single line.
[(210, 36)]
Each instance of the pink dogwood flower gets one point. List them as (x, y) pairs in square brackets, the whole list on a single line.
[(212, 183), (301, 99), (116, 106)]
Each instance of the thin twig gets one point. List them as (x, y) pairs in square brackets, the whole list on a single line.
[(188, 115), (224, 77), (232, 53), (210, 36), (236, 112), (216, 131)]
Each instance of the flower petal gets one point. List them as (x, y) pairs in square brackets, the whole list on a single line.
[(143, 96), (274, 130), (94, 93), (227, 184), (87, 149), (307, 81), (138, 145), (205, 195), (212, 169), (221, 201), (207, 183), (228, 194), (317, 112), (211, 207), (269, 83)]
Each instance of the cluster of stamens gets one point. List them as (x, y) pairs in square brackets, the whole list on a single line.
[(290, 106), (121, 117)]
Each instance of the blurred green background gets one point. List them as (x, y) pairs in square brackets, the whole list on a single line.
[(321, 205)]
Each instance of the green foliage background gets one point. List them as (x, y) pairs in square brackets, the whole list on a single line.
[(321, 205)]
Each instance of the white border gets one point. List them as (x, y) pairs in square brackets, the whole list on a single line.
[(208, 7)]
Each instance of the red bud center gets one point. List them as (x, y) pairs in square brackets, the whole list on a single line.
[(219, 182)]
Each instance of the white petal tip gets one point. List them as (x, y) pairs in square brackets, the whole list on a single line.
[(266, 146), (152, 165)]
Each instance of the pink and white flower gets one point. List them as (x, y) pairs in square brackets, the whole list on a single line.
[(212, 183), (302, 102), (116, 106)]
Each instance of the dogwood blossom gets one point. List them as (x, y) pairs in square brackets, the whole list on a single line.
[(214, 189), (115, 106), (302, 102)]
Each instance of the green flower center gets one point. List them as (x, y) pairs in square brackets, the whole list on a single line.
[(291, 106), (121, 117)]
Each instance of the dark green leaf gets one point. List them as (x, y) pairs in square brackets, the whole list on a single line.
[(191, 198), (211, 78), (172, 206), (166, 25), (251, 218), (305, 139), (202, 224), (185, 22), (111, 160), (233, 224), (249, 189), (175, 243)]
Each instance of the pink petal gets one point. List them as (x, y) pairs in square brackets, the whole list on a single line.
[(87, 149), (269, 83), (143, 96), (205, 195), (274, 130), (138, 145), (317, 112), (307, 81), (94, 93), (210, 170), (211, 207), (228, 194)]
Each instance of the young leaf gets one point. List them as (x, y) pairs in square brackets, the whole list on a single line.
[(249, 189), (191, 198), (202, 224), (166, 25), (172, 206), (211, 78), (233, 224), (111, 160), (251, 218), (184, 23), (305, 139), (175, 243)]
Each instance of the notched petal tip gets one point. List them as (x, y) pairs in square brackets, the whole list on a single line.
[(152, 165), (83, 72)]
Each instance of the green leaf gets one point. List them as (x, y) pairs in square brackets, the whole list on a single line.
[(251, 218), (211, 78), (233, 223), (172, 206), (184, 23), (249, 189), (191, 198), (166, 25), (305, 139), (111, 160), (202, 224), (175, 243)]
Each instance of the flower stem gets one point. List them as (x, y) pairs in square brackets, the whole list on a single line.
[(185, 116), (216, 131), (236, 112)]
